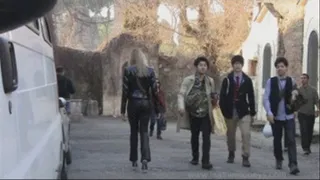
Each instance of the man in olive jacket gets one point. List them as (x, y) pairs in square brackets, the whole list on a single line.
[(195, 108)]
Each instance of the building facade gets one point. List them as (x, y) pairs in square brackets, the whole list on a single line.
[(311, 38), (300, 41)]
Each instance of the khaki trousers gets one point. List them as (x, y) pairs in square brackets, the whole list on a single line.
[(244, 125)]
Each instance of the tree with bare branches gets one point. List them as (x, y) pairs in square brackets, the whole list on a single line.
[(82, 24), (221, 28), (218, 32)]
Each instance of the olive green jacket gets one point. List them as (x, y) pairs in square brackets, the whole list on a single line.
[(186, 86)]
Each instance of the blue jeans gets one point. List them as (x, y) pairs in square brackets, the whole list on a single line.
[(159, 121), (68, 107), (290, 131)]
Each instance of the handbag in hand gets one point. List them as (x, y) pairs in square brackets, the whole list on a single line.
[(297, 101), (163, 125)]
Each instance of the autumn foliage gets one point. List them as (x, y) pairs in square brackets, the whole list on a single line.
[(219, 31)]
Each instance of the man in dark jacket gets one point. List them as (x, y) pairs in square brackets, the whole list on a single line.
[(238, 108), (65, 86)]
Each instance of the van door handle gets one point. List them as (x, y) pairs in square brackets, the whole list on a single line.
[(10, 107)]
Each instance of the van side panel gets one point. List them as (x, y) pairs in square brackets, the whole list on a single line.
[(9, 133), (39, 121)]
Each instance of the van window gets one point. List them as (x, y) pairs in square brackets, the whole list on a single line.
[(8, 66), (46, 31), (34, 26)]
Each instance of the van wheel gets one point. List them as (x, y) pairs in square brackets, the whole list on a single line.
[(68, 157), (64, 175)]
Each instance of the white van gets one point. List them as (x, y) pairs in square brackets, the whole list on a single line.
[(33, 133)]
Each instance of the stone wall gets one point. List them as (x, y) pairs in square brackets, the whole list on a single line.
[(84, 68), (97, 74), (116, 55), (172, 70), (292, 27)]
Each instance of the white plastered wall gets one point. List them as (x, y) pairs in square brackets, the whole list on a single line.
[(311, 23)]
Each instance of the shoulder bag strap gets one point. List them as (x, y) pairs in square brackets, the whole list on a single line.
[(228, 84)]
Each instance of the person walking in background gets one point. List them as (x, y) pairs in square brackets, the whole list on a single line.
[(65, 87), (162, 108), (194, 105), (238, 107), (138, 81), (276, 101), (307, 113)]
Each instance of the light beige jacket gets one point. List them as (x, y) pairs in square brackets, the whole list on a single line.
[(186, 86)]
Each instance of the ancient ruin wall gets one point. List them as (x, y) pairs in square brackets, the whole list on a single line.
[(292, 28), (115, 56), (85, 70)]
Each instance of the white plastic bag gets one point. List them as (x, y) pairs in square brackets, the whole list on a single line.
[(267, 130)]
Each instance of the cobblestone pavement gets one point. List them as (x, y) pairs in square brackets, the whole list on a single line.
[(100, 149)]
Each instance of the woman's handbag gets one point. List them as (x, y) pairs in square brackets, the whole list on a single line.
[(163, 124)]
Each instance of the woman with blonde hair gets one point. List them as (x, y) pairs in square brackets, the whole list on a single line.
[(139, 84)]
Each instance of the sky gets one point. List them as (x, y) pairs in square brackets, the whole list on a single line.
[(104, 12), (169, 14)]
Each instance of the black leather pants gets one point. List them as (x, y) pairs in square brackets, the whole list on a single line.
[(139, 113)]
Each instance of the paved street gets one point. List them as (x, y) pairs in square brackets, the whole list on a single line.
[(100, 149)]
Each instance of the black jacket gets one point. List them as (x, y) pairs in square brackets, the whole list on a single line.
[(131, 89), (246, 103), (65, 87)]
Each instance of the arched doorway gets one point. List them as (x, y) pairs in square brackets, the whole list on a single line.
[(266, 66), (312, 61)]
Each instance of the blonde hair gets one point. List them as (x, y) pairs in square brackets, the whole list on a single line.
[(139, 60)]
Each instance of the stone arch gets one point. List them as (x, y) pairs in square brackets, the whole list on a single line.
[(116, 56), (312, 58), (267, 59)]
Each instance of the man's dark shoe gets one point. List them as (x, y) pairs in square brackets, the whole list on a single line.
[(207, 166), (159, 137), (194, 162), (294, 169), (278, 164), (306, 152), (231, 157), (134, 164), (144, 166), (245, 161), (151, 133)]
